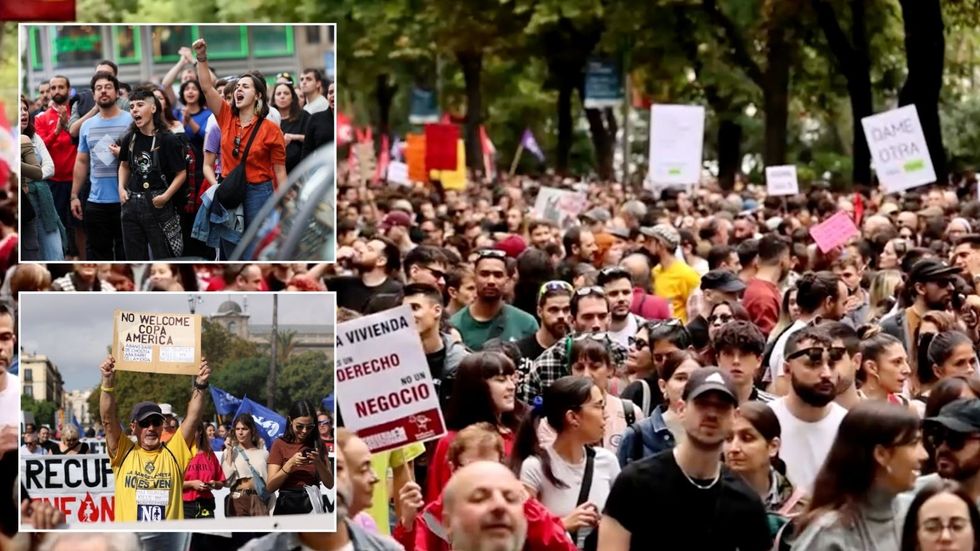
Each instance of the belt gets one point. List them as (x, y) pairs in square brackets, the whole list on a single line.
[(239, 493), (142, 193)]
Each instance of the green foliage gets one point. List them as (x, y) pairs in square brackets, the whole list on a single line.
[(43, 411), (307, 376)]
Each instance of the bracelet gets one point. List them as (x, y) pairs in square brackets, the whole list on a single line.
[(107, 388), (74, 197), (201, 387), (202, 58)]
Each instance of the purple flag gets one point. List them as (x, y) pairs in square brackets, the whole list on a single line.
[(530, 144)]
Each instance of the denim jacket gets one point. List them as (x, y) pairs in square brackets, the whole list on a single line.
[(653, 434), (213, 223)]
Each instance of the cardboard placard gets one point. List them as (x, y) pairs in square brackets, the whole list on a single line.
[(676, 144), (398, 174), (781, 180), (834, 231), (440, 146), (415, 157), (157, 342), (561, 206), (454, 179), (898, 149), (386, 392)]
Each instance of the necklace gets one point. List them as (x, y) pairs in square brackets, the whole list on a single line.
[(702, 486)]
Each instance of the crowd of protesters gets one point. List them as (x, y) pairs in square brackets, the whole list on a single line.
[(119, 172)]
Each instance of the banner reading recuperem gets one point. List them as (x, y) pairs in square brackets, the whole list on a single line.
[(157, 342)]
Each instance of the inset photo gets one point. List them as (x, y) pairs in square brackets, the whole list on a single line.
[(178, 411), (186, 142)]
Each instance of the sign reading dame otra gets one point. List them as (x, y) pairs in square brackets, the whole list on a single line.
[(157, 342)]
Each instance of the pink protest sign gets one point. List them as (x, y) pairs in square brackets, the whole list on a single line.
[(834, 231)]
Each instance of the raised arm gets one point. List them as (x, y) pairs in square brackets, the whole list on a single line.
[(107, 406), (195, 408), (168, 79), (215, 101)]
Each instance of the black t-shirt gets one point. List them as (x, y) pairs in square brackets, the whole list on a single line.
[(530, 350), (698, 328), (143, 169), (354, 294), (677, 515), (634, 393), (294, 151)]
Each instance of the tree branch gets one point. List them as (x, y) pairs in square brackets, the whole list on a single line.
[(839, 45), (737, 47)]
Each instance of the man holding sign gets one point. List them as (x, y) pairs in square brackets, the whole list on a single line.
[(149, 474)]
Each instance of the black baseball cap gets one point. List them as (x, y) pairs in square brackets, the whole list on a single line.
[(709, 379), (722, 280), (931, 269), (142, 410), (959, 416)]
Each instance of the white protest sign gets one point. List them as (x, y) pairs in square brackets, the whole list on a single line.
[(388, 397), (81, 486), (781, 180), (95, 445), (898, 147), (157, 342), (398, 173), (102, 151), (561, 206), (676, 142)]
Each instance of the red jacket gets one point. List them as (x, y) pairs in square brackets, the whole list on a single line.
[(59, 145), (439, 469), (649, 307), (545, 531)]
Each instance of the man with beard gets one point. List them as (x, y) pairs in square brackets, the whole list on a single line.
[(954, 436), (673, 279), (808, 415), (149, 473), (44, 96), (686, 498), (85, 277), (589, 309), (52, 126), (377, 262), (966, 256), (483, 509), (618, 285), (87, 106), (745, 228), (580, 248), (540, 231), (929, 287), (844, 335), (762, 298), (820, 296), (489, 317), (554, 308), (98, 158), (442, 353)]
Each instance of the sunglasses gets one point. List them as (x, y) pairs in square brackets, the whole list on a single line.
[(638, 344), (613, 270), (594, 336), (955, 441), (554, 286), (590, 290), (238, 142), (491, 253), (300, 427), (323, 423), (815, 354), (438, 274), (672, 322), (151, 421), (286, 76), (723, 318)]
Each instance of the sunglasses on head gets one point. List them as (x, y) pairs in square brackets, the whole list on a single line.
[(286, 76), (238, 142), (955, 441), (590, 290), (613, 270), (491, 253), (815, 354), (151, 421), (555, 285), (656, 324), (600, 337)]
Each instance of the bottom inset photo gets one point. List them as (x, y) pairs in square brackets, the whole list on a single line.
[(162, 412)]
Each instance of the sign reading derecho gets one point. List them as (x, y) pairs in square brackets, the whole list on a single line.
[(388, 396), (898, 149), (157, 342), (676, 142)]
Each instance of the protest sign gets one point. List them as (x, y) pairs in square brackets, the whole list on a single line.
[(81, 486), (415, 157), (834, 231), (95, 445), (676, 141), (781, 180), (424, 106), (157, 342), (898, 147), (387, 394), (603, 84), (398, 173), (559, 205), (440, 146), (454, 179)]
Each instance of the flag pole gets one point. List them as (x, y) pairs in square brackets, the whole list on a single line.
[(517, 157)]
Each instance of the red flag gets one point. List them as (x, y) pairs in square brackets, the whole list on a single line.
[(858, 209), (37, 10), (489, 151), (383, 159), (345, 132), (440, 146)]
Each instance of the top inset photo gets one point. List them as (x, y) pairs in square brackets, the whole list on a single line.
[(186, 142)]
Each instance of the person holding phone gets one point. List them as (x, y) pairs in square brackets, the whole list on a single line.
[(298, 464)]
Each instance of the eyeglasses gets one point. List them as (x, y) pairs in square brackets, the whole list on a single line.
[(723, 318), (934, 527), (151, 421), (238, 142), (301, 427), (323, 423), (590, 290), (815, 354), (555, 285), (955, 441), (491, 253)]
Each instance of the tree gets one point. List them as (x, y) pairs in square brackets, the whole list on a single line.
[(307, 376), (42, 410)]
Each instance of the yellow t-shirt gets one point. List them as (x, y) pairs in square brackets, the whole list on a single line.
[(676, 284), (149, 485), (381, 463)]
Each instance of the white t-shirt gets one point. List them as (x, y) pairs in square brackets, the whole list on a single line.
[(561, 501), (10, 400), (776, 359), (317, 105), (623, 335), (805, 445)]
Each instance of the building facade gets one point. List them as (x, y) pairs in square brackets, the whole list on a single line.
[(233, 318), (40, 379)]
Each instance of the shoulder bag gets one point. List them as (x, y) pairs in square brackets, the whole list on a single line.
[(231, 191)]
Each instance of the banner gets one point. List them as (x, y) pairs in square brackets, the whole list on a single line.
[(37, 10), (454, 179), (425, 106), (157, 342), (81, 486), (561, 206), (603, 84), (415, 157), (440, 146), (676, 141), (387, 395), (224, 402), (898, 147), (95, 445), (781, 180), (271, 425)]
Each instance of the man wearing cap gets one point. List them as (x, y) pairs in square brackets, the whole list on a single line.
[(395, 226), (954, 437), (673, 279), (596, 219), (149, 473), (690, 500), (930, 286), (717, 286)]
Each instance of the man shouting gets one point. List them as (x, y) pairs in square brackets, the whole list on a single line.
[(149, 473)]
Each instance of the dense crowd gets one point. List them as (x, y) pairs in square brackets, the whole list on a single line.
[(121, 172)]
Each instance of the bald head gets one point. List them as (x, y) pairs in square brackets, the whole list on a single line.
[(639, 268), (877, 223), (484, 509)]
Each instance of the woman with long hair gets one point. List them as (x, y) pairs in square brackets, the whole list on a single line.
[(484, 392), (924, 378), (51, 236), (786, 316), (876, 455), (884, 367), (883, 293), (942, 517), (239, 121), (163, 277), (554, 473), (203, 474), (70, 442), (298, 463), (170, 122), (752, 451), (293, 123), (245, 464), (951, 353)]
